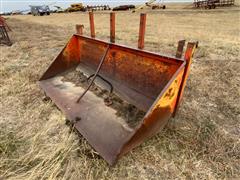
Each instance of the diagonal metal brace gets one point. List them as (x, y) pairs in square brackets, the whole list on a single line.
[(95, 75)]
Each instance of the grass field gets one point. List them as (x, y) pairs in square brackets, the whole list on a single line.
[(201, 142)]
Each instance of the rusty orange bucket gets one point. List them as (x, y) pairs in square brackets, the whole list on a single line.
[(150, 82)]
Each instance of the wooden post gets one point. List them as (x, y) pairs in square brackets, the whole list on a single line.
[(92, 28), (112, 27), (79, 29), (142, 31)]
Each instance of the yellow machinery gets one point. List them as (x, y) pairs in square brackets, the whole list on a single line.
[(76, 7)]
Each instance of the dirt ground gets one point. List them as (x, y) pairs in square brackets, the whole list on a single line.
[(201, 142)]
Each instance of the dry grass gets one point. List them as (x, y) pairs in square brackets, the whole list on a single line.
[(201, 142)]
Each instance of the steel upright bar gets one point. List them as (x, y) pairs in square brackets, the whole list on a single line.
[(92, 28), (142, 31), (112, 27), (79, 29)]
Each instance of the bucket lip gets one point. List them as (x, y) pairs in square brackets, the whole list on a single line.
[(125, 47)]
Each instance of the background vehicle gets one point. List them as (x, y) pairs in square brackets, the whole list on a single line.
[(40, 10)]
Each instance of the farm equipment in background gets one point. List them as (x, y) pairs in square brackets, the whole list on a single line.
[(81, 7), (151, 4), (59, 9), (90, 78), (123, 8), (76, 7), (4, 28), (98, 8), (156, 6), (35, 10), (212, 4), (16, 13)]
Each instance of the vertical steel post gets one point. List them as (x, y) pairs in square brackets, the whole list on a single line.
[(79, 29), (92, 28), (142, 28), (191, 46), (180, 47), (112, 27)]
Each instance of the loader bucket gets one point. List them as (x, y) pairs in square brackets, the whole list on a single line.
[(143, 80)]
